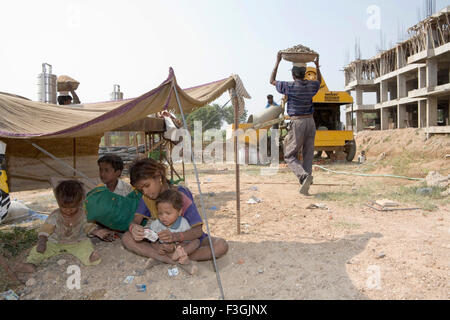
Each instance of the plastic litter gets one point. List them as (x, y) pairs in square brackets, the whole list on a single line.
[(214, 208), (424, 191), (128, 279), (9, 295), (173, 272), (321, 206), (253, 200), (141, 287)]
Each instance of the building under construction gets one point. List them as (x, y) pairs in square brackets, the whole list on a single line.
[(411, 81)]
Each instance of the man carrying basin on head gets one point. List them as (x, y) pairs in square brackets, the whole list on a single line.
[(302, 129)]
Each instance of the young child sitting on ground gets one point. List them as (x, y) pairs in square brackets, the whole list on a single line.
[(110, 169), (170, 205), (66, 229)]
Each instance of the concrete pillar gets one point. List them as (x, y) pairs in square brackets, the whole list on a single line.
[(432, 70), (359, 121), (402, 116), (384, 118), (401, 59), (431, 111), (384, 90), (422, 113), (422, 77), (401, 86), (359, 96), (378, 95)]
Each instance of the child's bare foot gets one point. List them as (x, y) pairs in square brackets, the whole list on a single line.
[(24, 267), (152, 263), (187, 265), (94, 256), (178, 253)]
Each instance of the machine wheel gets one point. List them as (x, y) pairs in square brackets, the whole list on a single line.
[(350, 150)]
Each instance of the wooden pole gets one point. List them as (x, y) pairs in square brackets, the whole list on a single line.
[(74, 155), (170, 160), (235, 102), (184, 176)]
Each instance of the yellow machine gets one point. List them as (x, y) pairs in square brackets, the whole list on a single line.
[(329, 135)]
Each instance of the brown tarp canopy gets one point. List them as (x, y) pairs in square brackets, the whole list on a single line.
[(72, 133), (25, 119)]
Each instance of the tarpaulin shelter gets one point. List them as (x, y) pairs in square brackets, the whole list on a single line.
[(72, 133)]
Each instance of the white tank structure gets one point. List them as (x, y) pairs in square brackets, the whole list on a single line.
[(47, 91), (116, 94)]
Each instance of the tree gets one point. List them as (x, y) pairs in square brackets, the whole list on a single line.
[(213, 116), (228, 115), (210, 116)]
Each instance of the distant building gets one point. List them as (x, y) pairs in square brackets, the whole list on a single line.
[(411, 81)]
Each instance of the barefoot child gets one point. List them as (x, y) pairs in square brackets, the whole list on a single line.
[(66, 229), (170, 204), (110, 169)]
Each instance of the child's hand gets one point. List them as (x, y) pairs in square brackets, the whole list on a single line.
[(104, 234), (42, 244), (137, 232), (166, 236)]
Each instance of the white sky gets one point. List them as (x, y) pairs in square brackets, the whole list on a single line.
[(133, 43)]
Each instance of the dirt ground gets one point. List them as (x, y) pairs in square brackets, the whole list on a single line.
[(345, 250)]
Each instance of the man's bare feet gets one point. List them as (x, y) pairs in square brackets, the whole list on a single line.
[(152, 263), (24, 267), (94, 256)]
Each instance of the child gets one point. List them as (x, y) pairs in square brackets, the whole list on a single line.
[(362, 157), (66, 229), (110, 170), (170, 204)]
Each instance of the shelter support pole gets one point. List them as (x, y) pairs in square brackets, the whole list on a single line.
[(202, 206), (75, 156), (145, 143), (184, 176), (136, 143), (171, 163), (234, 101)]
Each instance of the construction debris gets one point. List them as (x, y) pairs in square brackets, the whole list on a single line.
[(377, 207), (435, 179), (387, 203)]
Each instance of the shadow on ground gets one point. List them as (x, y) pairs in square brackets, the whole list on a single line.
[(289, 270)]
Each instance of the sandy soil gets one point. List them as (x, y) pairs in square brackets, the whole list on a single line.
[(284, 251)]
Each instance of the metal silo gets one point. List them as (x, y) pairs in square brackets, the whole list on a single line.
[(116, 94), (47, 85)]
